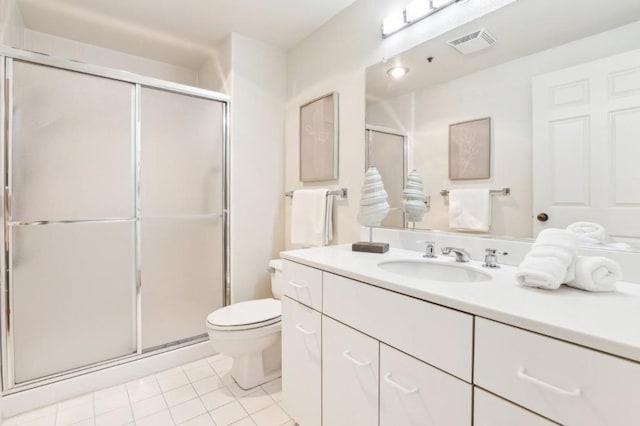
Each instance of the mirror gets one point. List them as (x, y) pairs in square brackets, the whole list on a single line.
[(560, 85)]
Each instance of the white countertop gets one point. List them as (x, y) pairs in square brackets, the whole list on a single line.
[(609, 322)]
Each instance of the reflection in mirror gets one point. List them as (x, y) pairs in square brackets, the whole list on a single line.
[(387, 151), (563, 98)]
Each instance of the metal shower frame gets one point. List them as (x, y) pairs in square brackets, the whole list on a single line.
[(7, 56)]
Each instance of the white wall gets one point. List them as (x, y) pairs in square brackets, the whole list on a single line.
[(71, 49), (258, 93), (215, 73), (334, 58), (504, 94), (11, 25)]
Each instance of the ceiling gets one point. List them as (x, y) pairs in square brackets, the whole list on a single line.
[(521, 28), (174, 31)]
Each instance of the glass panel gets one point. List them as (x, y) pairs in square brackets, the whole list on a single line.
[(73, 296), (182, 277), (181, 155), (72, 147), (386, 152)]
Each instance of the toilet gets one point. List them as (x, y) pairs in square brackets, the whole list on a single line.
[(249, 332)]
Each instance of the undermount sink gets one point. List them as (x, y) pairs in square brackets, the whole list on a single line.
[(433, 270)]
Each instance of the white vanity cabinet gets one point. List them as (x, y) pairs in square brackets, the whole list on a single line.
[(349, 376), (383, 358)]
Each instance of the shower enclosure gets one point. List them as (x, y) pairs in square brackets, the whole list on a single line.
[(115, 216)]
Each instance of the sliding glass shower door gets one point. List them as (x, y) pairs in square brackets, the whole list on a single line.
[(71, 220), (115, 236), (182, 178)]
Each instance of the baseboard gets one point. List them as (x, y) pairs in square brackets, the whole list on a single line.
[(31, 399)]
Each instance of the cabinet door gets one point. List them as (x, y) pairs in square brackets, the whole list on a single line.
[(301, 362), (350, 376), (413, 393), (489, 410)]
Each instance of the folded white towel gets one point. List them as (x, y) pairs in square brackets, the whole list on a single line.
[(589, 232), (543, 272), (549, 263), (470, 209), (309, 217), (596, 274), (558, 238)]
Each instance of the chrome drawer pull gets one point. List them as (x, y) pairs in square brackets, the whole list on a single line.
[(387, 378), (522, 373), (347, 355), (295, 284), (302, 330)]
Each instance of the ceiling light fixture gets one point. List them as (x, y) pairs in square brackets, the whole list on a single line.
[(393, 23), (414, 12), (417, 10), (397, 72)]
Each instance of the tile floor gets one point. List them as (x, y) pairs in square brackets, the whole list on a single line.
[(200, 393)]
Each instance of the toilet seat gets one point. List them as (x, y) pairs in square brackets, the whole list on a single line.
[(246, 315)]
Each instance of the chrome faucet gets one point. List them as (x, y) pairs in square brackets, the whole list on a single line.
[(429, 249), (491, 258), (461, 254)]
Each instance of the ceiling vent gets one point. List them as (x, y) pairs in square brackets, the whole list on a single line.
[(473, 42)]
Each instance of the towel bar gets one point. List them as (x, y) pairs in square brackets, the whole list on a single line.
[(342, 193), (503, 191)]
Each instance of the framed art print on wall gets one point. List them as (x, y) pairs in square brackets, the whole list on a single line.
[(319, 139), (470, 149)]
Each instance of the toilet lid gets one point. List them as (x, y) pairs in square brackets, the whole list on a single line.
[(250, 314)]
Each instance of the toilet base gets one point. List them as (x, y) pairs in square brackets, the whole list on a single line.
[(254, 369)]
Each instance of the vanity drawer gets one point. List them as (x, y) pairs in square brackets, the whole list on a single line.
[(489, 410), (439, 336), (303, 283), (414, 393), (564, 382)]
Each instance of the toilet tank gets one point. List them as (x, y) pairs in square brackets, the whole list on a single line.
[(277, 286)]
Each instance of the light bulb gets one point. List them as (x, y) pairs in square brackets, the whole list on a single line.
[(397, 72)]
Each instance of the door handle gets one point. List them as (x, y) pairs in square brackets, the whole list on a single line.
[(542, 217)]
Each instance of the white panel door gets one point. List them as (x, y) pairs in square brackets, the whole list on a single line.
[(349, 376), (586, 145)]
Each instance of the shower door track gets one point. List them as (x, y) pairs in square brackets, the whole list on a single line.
[(7, 55)]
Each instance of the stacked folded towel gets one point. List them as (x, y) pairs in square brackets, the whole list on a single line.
[(553, 261), (589, 232), (548, 264), (595, 234)]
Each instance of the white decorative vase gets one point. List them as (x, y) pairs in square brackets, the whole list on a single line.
[(414, 198), (373, 204)]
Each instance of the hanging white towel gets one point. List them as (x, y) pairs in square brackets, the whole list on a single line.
[(470, 209), (310, 217)]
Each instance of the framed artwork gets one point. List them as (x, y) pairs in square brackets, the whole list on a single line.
[(470, 150), (319, 139)]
